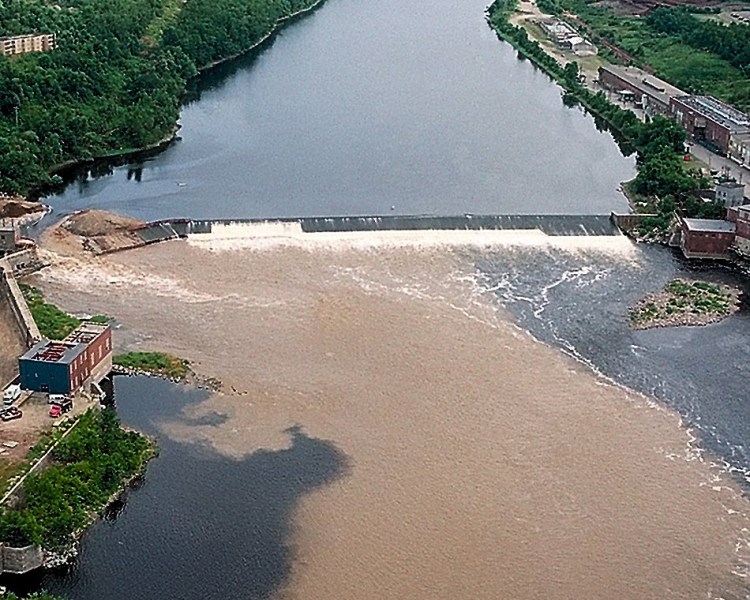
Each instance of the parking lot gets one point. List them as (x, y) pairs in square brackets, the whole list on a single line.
[(19, 435)]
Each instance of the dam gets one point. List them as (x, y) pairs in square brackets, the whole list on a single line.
[(465, 228)]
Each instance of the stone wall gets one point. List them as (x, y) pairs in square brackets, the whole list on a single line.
[(629, 221), (14, 263), (20, 560)]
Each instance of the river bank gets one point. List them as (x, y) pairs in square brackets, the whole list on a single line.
[(120, 157), (659, 140), (84, 469), (67, 171)]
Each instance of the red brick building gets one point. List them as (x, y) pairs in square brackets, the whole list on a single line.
[(709, 121), (646, 90), (706, 238), (741, 216), (82, 358)]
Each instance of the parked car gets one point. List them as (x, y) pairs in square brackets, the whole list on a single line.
[(10, 413), (59, 408), (11, 394), (56, 398)]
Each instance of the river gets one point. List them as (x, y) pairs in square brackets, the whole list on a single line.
[(388, 427), (374, 107)]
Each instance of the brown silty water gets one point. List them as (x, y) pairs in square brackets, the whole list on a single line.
[(483, 464)]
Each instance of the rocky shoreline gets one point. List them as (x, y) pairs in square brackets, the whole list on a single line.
[(191, 379)]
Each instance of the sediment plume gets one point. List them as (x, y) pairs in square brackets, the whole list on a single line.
[(482, 463)]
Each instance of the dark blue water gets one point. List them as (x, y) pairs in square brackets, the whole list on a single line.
[(377, 107), (579, 302), (200, 525)]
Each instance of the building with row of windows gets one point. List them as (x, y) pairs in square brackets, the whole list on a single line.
[(63, 367), (23, 44), (710, 122), (714, 238), (643, 89)]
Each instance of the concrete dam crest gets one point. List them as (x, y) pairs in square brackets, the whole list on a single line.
[(289, 227)]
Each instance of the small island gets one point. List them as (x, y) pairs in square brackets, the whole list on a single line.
[(684, 302)]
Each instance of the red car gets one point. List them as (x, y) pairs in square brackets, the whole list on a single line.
[(59, 408)]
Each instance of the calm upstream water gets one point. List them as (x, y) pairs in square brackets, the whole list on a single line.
[(376, 107)]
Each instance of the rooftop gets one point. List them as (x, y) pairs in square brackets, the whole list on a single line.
[(732, 185), (68, 349), (645, 82), (6, 38), (57, 352), (709, 225), (717, 111), (86, 333)]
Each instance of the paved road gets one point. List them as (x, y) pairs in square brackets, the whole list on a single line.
[(715, 161)]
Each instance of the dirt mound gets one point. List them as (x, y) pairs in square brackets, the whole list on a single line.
[(14, 208), (95, 223)]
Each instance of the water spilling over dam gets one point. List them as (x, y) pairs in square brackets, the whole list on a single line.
[(412, 230)]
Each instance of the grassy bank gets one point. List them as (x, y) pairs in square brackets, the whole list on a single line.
[(53, 323), (157, 363), (697, 56), (88, 467)]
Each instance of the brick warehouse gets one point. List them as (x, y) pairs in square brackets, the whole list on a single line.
[(650, 92), (64, 367), (709, 121), (706, 238)]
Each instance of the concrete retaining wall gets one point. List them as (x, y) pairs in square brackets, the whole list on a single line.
[(552, 225), (20, 560), (9, 287), (630, 221)]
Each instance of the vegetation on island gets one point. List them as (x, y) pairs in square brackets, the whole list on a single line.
[(88, 467), (157, 363), (659, 142), (115, 82), (685, 303)]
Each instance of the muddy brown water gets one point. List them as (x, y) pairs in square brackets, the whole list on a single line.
[(481, 463)]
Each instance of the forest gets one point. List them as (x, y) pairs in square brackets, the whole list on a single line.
[(116, 80)]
